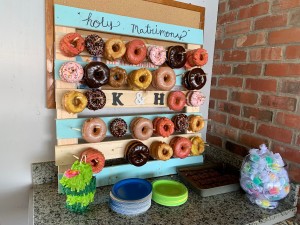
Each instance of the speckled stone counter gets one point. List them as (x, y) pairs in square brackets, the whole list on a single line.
[(228, 209)]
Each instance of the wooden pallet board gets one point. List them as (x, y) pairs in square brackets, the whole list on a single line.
[(111, 149), (111, 175)]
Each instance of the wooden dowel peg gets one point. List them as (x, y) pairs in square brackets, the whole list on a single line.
[(75, 156), (77, 129)]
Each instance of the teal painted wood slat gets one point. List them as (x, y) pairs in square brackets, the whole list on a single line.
[(111, 23), (64, 126), (58, 64), (111, 175)]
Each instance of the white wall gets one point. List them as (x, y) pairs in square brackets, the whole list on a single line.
[(27, 127)]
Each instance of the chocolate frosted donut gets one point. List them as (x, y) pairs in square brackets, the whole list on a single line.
[(117, 77), (94, 44), (141, 128), (96, 74), (96, 99), (194, 79), (136, 153), (118, 127), (176, 56), (181, 122)]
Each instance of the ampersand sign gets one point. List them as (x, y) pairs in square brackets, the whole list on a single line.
[(139, 99)]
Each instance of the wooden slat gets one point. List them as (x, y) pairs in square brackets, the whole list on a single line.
[(111, 150), (50, 93), (111, 175)]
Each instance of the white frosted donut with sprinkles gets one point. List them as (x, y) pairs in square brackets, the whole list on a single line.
[(157, 55), (71, 72)]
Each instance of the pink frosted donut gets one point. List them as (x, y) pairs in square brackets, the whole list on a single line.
[(71, 72), (195, 98), (163, 78), (176, 100), (157, 55), (200, 57), (181, 147), (136, 51), (94, 130)]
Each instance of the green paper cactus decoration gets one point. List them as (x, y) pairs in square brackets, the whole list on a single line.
[(79, 185)]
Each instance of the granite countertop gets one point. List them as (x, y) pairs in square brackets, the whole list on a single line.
[(231, 208)]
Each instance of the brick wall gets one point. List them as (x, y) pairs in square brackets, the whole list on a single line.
[(255, 91)]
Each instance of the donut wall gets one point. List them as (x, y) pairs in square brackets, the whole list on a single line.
[(108, 59)]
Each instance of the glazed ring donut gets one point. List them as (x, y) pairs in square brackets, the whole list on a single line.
[(156, 55), (181, 147), (71, 72), (136, 51), (161, 151), (96, 99), (93, 130), (71, 44), (96, 74), (176, 100), (136, 153), (141, 128), (196, 123), (139, 79), (195, 98), (74, 102), (198, 145), (117, 77), (164, 127), (163, 78), (95, 158), (181, 122), (118, 127), (114, 49), (197, 57), (194, 79), (176, 56), (94, 44)]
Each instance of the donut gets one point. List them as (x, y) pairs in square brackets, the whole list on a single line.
[(154, 122), (194, 79), (71, 44), (136, 153), (161, 150), (198, 145), (156, 55), (196, 123), (71, 72), (197, 57), (96, 99), (96, 74), (114, 49), (136, 51), (176, 100), (117, 77), (74, 102), (94, 44), (163, 127), (163, 79), (195, 98), (93, 130), (141, 128), (181, 147), (95, 158), (181, 122), (139, 79), (118, 127), (176, 56), (187, 65)]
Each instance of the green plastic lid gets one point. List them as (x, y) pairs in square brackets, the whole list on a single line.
[(169, 192)]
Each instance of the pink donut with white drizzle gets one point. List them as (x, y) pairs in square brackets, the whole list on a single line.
[(157, 55), (71, 72), (195, 98)]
